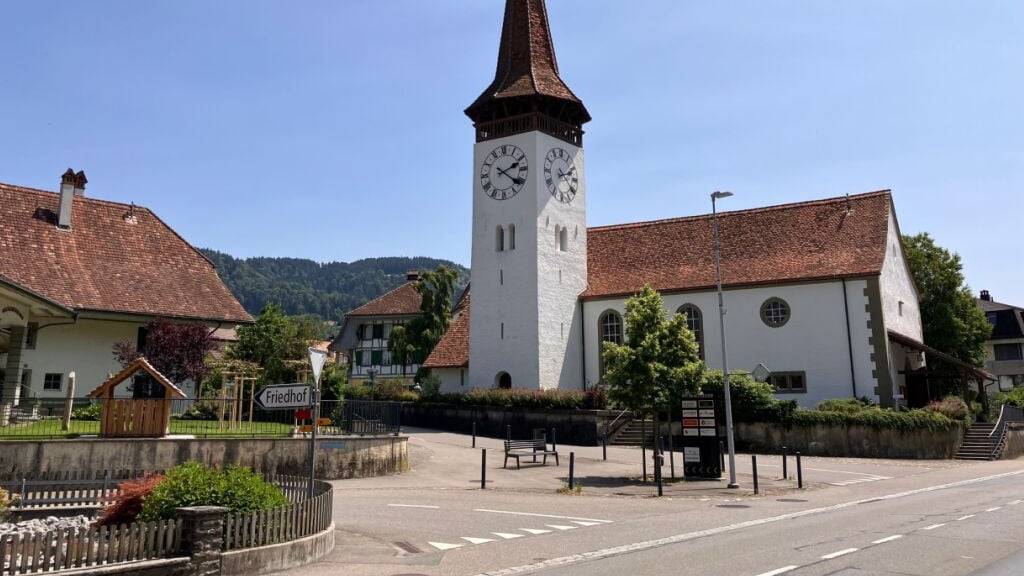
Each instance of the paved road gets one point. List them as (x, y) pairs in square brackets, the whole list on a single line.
[(927, 518)]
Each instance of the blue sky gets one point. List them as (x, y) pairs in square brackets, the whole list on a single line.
[(334, 130)]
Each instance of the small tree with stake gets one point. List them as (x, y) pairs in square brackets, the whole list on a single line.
[(658, 364)]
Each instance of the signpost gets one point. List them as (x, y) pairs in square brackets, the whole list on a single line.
[(701, 446), (285, 397), (317, 358)]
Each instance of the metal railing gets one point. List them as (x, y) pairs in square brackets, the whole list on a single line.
[(1006, 414), (211, 418)]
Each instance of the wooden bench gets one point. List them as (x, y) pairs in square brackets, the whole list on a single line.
[(519, 448)]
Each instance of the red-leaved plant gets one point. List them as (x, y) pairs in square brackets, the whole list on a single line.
[(125, 507)]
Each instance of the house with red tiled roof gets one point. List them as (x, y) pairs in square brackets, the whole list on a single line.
[(817, 291), (364, 334), (78, 274)]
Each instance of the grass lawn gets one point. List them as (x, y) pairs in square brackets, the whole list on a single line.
[(200, 428)]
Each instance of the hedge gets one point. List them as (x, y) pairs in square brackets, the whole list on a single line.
[(593, 399)]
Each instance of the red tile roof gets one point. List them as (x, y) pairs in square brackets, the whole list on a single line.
[(527, 67), (400, 301), (453, 349), (777, 244), (106, 263)]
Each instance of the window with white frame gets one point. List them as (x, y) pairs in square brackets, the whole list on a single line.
[(788, 382), (695, 322)]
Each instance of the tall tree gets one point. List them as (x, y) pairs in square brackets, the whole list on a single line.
[(271, 340), (659, 362), (416, 340), (176, 350)]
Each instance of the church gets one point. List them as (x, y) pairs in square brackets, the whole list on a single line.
[(819, 292)]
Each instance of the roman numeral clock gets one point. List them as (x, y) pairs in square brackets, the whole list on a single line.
[(503, 172)]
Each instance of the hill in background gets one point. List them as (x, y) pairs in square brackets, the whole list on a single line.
[(328, 290)]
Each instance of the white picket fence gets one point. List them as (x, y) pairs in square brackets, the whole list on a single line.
[(79, 548)]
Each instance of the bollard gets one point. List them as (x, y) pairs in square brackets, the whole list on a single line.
[(572, 470), (508, 432), (554, 443), (799, 472), (721, 455), (474, 433), (483, 468), (753, 465), (671, 454), (785, 470), (604, 447), (643, 455), (657, 472)]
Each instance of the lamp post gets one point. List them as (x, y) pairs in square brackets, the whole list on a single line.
[(715, 197)]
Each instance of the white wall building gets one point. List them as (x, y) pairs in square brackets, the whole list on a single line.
[(819, 291)]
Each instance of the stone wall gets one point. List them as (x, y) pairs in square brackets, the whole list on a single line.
[(337, 458), (850, 441), (581, 427)]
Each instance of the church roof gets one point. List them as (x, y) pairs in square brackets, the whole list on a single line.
[(452, 351), (819, 240), (527, 68), (114, 258)]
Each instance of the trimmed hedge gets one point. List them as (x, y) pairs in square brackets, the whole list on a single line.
[(195, 484), (879, 419), (593, 399)]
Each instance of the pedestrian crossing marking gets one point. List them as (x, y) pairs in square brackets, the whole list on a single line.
[(445, 546)]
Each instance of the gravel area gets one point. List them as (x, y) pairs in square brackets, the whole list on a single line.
[(44, 525)]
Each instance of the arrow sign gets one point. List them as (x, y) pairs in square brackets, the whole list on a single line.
[(285, 397)]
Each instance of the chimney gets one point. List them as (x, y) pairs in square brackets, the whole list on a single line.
[(67, 195), (986, 296), (412, 275), (80, 181)]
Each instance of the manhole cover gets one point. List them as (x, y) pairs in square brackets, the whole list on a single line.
[(733, 506), (408, 548), (790, 500)]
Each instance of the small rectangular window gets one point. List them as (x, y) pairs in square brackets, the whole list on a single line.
[(362, 358), (53, 381), (1006, 352), (31, 335), (378, 331), (789, 382), (377, 357), (462, 377)]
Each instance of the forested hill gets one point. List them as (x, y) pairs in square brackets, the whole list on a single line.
[(303, 286)]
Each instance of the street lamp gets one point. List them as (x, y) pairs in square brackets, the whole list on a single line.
[(715, 197)]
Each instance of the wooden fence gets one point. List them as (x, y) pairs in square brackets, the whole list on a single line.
[(299, 519), (71, 488), (87, 547)]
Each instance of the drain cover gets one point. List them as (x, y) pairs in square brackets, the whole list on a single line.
[(410, 549)]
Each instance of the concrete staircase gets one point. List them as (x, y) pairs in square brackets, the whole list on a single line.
[(632, 433), (980, 443)]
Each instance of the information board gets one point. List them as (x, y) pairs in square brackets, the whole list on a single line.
[(702, 452)]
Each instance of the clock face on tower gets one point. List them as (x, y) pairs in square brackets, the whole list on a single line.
[(503, 173), (560, 175)]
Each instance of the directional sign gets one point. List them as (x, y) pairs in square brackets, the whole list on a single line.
[(285, 397)]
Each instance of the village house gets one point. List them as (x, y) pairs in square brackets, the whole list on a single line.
[(79, 274), (819, 291), (1005, 348)]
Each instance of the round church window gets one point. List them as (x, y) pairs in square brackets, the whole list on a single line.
[(775, 312)]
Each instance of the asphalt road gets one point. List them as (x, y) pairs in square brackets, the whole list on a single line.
[(916, 518)]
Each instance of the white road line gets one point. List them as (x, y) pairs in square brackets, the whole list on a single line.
[(582, 523), (843, 552), (993, 509), (560, 527), (965, 517), (887, 539), (473, 540), (413, 506), (934, 526), (675, 539), (445, 546), (507, 535), (875, 476), (542, 515), (778, 571), (1015, 502), (535, 530)]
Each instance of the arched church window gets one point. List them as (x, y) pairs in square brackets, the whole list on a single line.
[(511, 236), (503, 380), (499, 239), (609, 329), (695, 322)]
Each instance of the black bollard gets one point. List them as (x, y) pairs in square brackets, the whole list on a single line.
[(474, 433), (483, 468), (671, 454), (785, 467), (604, 447), (721, 455), (508, 432), (572, 470), (753, 465), (657, 472), (554, 443), (799, 472), (643, 456)]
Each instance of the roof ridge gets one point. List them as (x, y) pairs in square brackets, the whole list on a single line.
[(786, 206), (381, 297), (30, 190)]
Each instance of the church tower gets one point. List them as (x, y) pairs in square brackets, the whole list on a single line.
[(529, 261)]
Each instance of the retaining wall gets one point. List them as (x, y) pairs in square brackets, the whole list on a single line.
[(1014, 441), (337, 457), (851, 441), (580, 427)]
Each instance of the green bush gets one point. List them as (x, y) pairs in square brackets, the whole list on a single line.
[(846, 405), (878, 419), (1013, 398), (194, 484), (752, 401), (395, 390), (6, 501), (593, 399), (90, 412), (200, 410), (952, 407)]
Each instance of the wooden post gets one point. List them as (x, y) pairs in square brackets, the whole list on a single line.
[(69, 403)]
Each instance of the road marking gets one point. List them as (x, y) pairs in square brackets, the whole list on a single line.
[(535, 530), (507, 535), (965, 517), (582, 523), (445, 546), (473, 540), (1015, 502), (657, 543), (993, 509), (874, 476), (887, 539), (934, 526), (413, 506), (598, 520), (560, 527), (778, 571), (843, 552)]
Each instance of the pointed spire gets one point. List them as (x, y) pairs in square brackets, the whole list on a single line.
[(526, 79)]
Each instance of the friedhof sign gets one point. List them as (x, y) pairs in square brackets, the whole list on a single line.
[(285, 397)]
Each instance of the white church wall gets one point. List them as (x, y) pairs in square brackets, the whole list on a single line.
[(899, 296), (814, 340), (453, 380)]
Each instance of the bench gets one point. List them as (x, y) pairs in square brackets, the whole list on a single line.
[(519, 448)]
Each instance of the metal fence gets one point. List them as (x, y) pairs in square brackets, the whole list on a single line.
[(207, 418)]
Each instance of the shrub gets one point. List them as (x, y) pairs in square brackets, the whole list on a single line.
[(125, 507), (1013, 398), (752, 401), (6, 501), (90, 412), (194, 484), (952, 407), (593, 399), (878, 419), (846, 405), (200, 410)]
